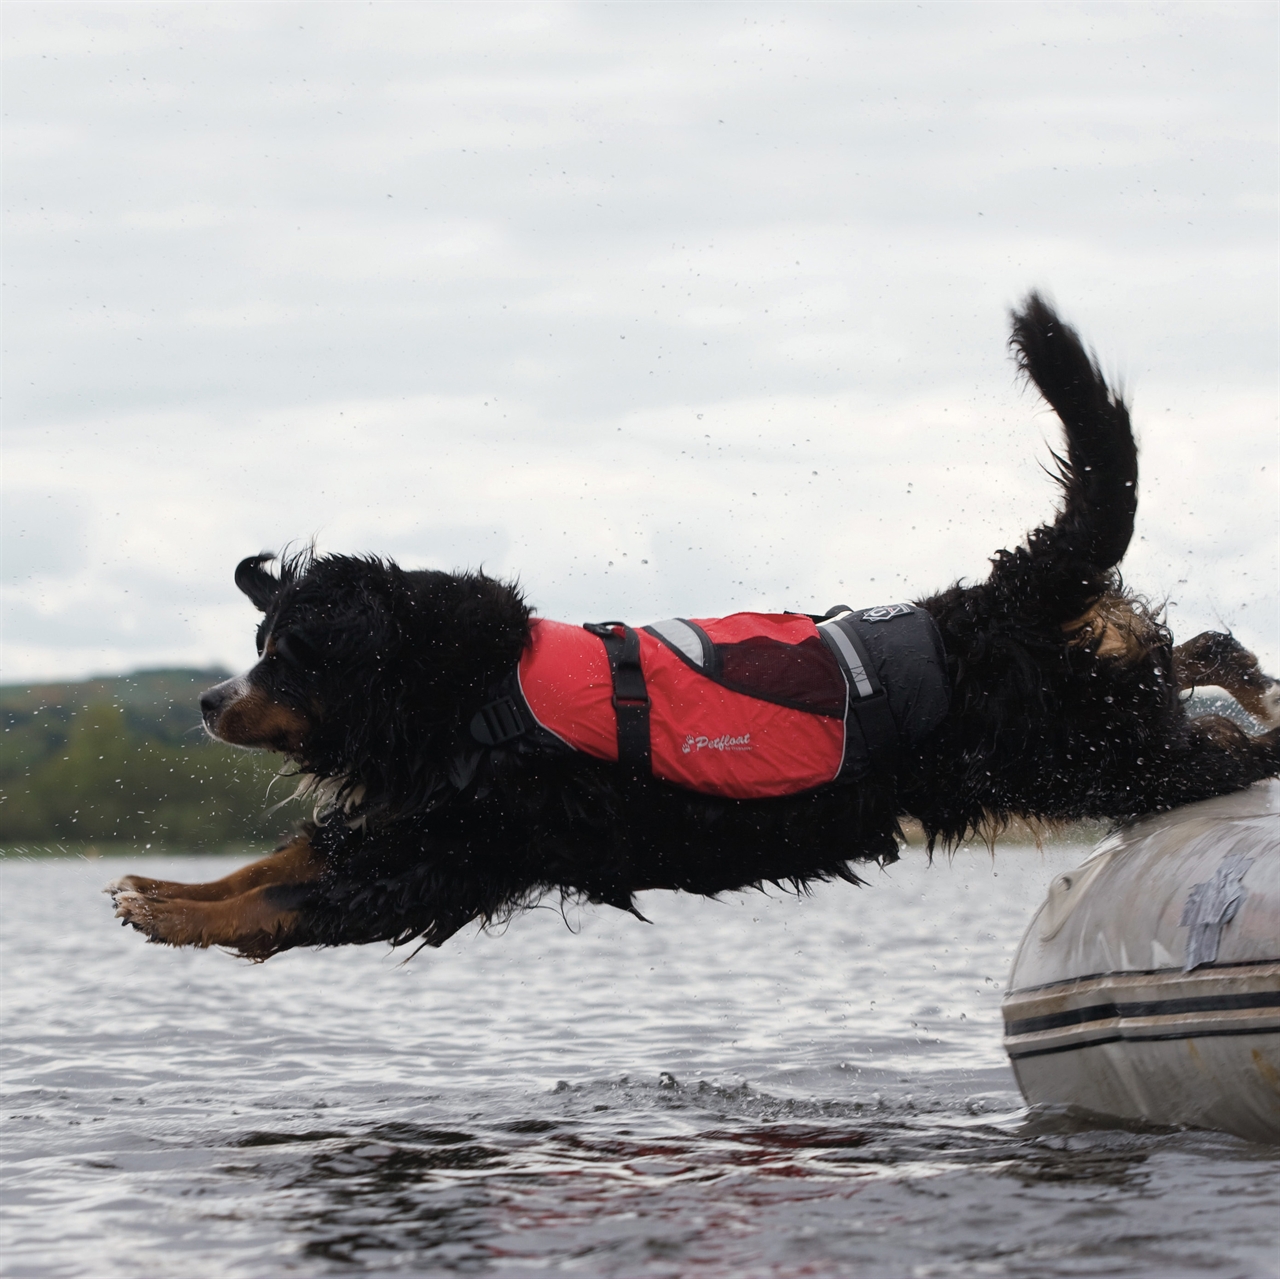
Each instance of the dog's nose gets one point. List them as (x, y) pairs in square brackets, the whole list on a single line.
[(209, 703), (215, 699)]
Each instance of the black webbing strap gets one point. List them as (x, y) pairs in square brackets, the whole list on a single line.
[(630, 696), (868, 701), (499, 722)]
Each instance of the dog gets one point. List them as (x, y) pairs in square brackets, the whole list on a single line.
[(1061, 702)]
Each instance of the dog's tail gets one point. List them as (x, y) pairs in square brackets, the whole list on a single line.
[(1072, 558)]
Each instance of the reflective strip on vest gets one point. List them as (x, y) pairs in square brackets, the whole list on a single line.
[(857, 672)]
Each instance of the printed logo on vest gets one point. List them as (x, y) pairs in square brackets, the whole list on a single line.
[(884, 612), (693, 744)]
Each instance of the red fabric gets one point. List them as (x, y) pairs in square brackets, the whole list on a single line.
[(778, 656), (703, 736), (564, 676)]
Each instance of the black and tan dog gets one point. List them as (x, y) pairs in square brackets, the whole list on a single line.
[(1064, 704)]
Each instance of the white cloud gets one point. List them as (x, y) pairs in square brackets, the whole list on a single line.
[(456, 284)]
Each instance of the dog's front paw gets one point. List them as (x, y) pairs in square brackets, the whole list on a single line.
[(252, 924), (131, 906), (132, 884), (158, 921)]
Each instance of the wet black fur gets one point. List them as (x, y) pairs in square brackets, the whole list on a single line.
[(425, 833)]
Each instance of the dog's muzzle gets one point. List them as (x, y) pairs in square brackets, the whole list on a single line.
[(216, 700)]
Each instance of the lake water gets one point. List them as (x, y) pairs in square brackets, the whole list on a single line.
[(763, 1086)]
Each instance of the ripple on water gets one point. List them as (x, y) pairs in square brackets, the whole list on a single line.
[(754, 1087)]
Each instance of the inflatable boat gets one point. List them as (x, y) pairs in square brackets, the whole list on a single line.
[(1148, 983)]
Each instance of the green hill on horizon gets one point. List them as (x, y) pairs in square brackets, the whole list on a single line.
[(125, 759)]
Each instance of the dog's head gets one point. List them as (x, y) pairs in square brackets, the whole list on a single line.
[(364, 667)]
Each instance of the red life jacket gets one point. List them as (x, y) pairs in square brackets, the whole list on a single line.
[(748, 706)]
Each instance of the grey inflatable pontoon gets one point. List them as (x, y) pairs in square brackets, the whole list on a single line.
[(1148, 984)]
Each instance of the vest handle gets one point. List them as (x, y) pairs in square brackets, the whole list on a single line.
[(630, 693)]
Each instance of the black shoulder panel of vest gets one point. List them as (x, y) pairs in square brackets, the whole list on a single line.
[(905, 649), (896, 667)]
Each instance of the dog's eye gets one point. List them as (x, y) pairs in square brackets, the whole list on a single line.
[(294, 647)]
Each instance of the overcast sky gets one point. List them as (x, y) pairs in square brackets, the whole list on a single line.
[(662, 308)]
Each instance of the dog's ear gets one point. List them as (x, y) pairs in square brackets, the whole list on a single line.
[(256, 582)]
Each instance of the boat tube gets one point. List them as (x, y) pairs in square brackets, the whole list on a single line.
[(1148, 983)]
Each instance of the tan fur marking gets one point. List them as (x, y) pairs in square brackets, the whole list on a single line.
[(1218, 729), (292, 863), (1251, 695), (1220, 661), (1117, 630), (992, 830), (1262, 703), (255, 720), (249, 923)]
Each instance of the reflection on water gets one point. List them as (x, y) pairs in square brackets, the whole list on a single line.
[(755, 1087), (722, 1180)]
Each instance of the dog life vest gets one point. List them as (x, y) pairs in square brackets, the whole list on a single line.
[(747, 706)]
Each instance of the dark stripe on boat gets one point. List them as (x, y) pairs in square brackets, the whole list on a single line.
[(1018, 1054), (1147, 1008), (1144, 972)]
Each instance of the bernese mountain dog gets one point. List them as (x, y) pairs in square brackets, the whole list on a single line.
[(1062, 702)]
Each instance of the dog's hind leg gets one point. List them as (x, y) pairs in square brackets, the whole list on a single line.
[(1212, 757), (295, 861), (1221, 661)]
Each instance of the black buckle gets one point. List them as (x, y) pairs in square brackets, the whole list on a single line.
[(498, 722)]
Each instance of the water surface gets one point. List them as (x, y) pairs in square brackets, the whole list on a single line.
[(763, 1086)]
